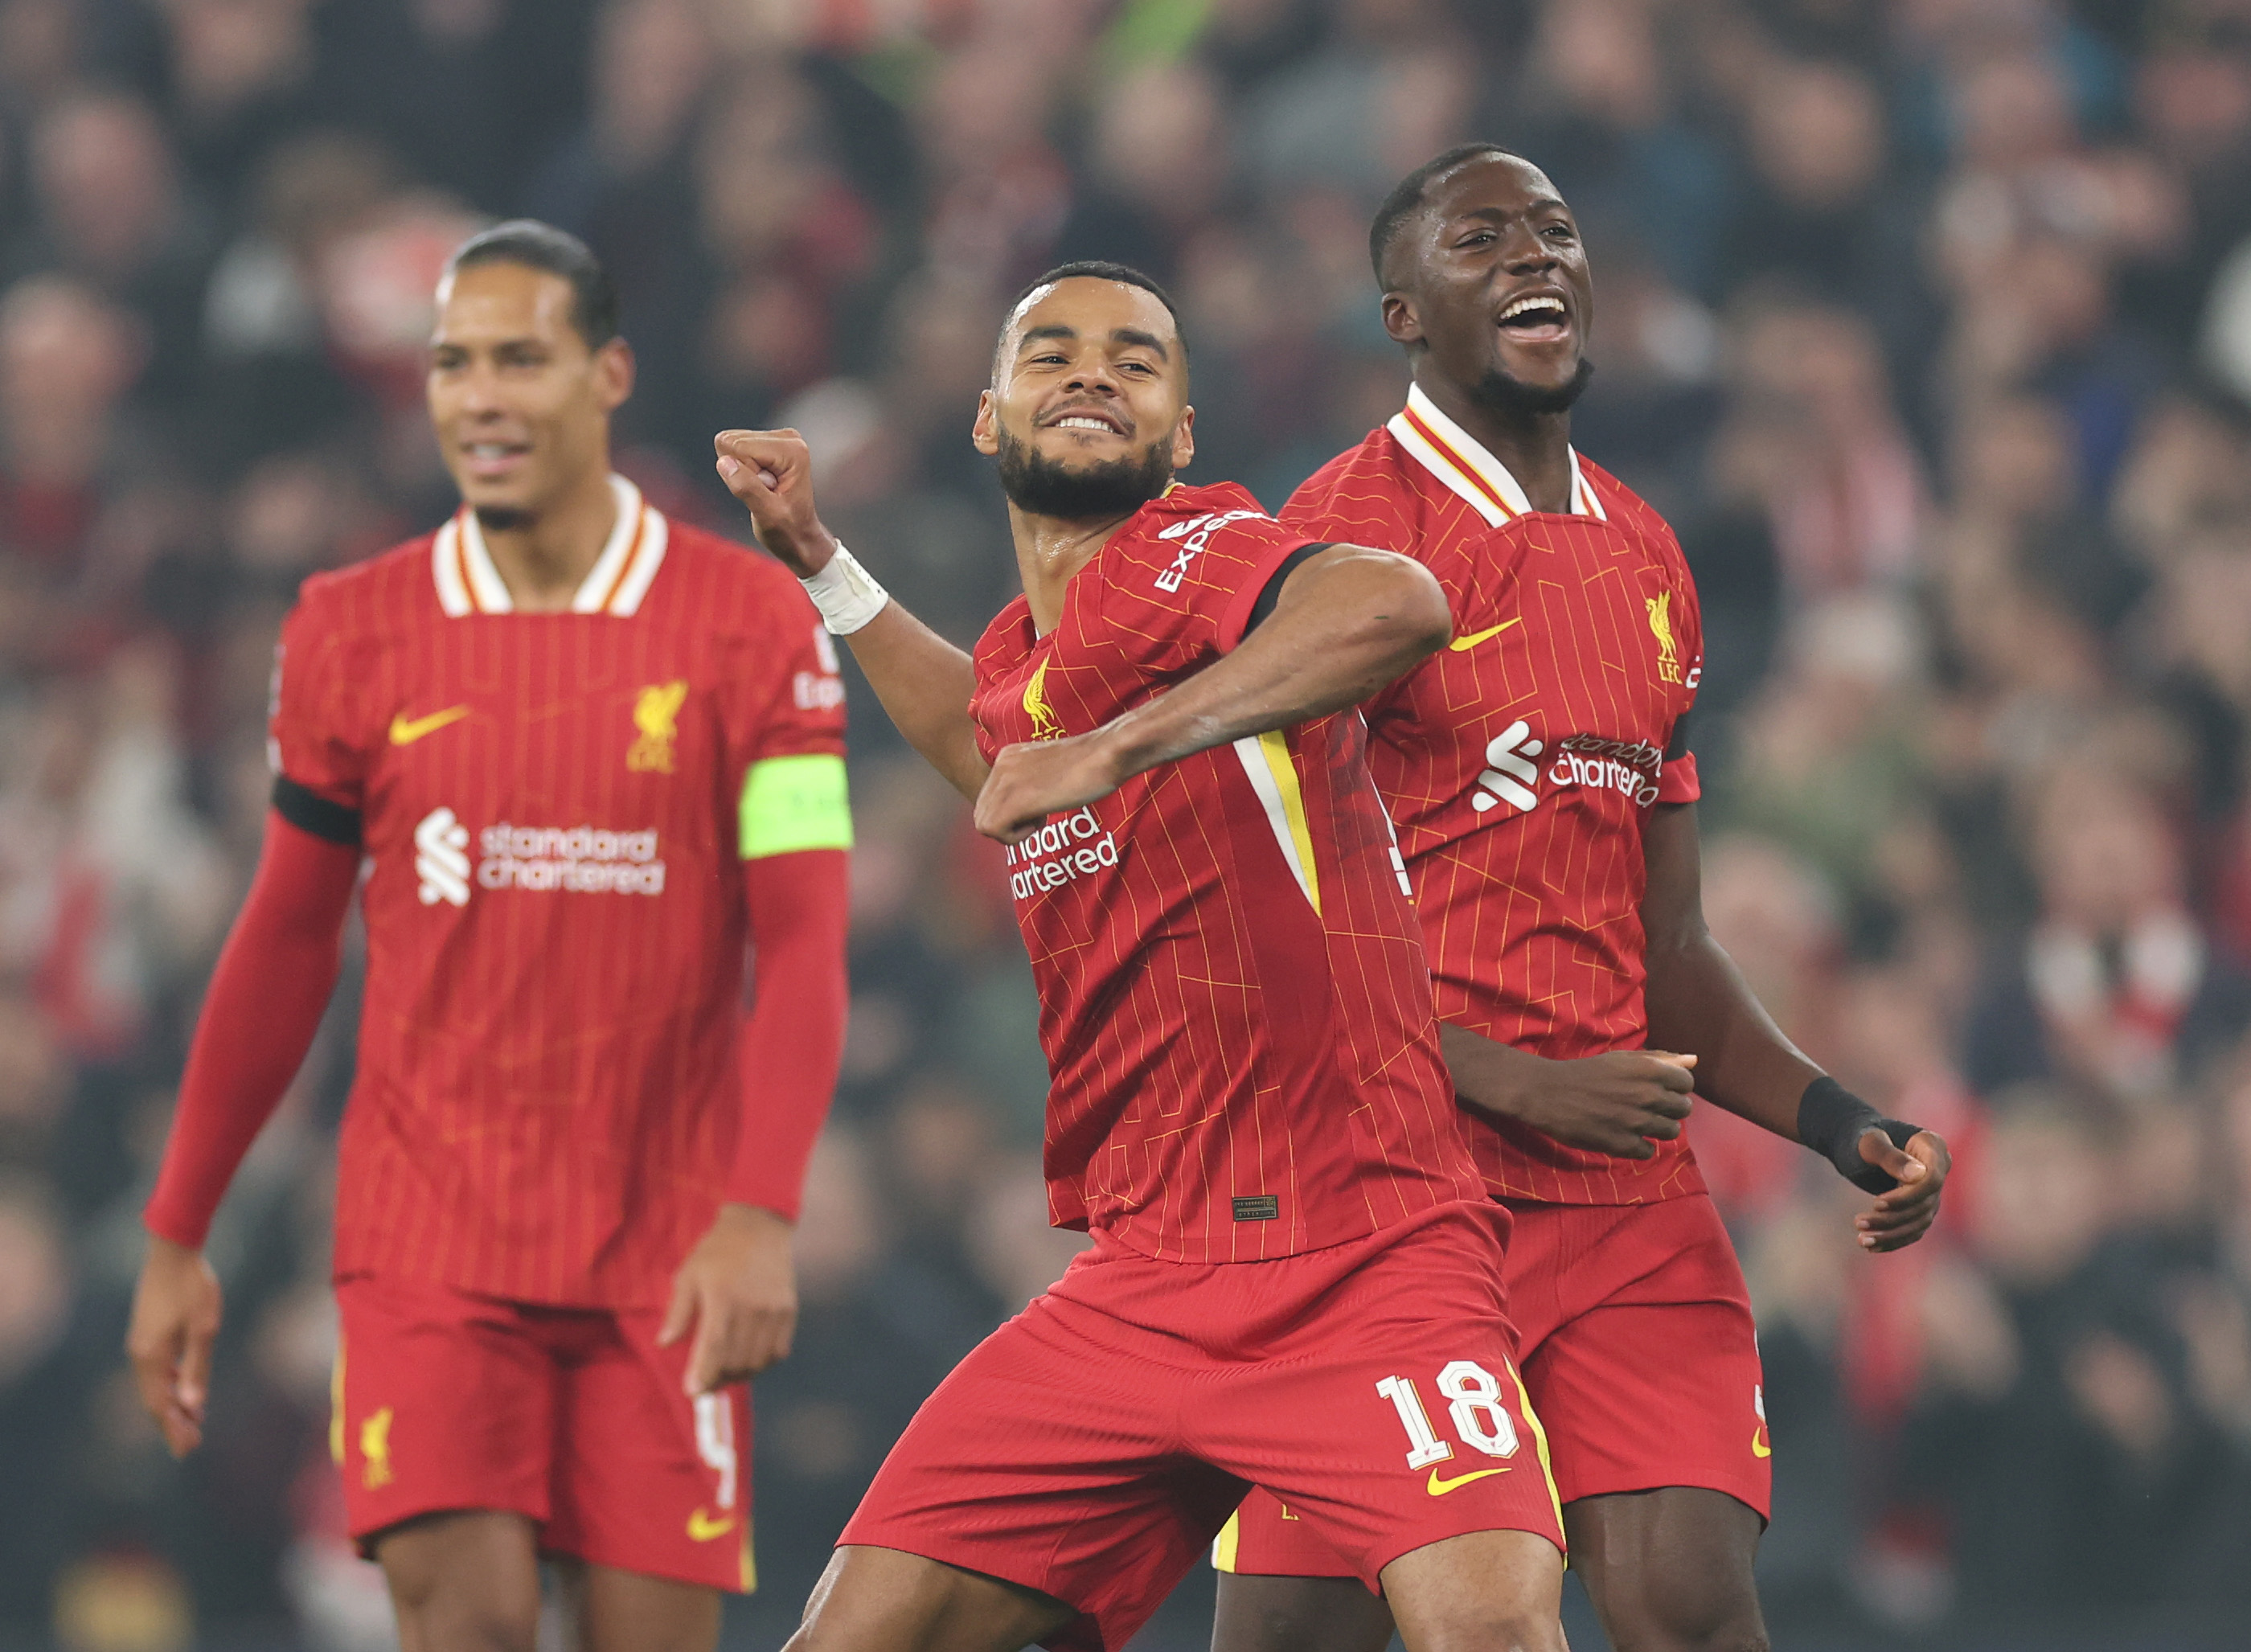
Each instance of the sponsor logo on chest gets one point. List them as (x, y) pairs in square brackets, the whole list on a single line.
[(580, 860), (1514, 775), (1061, 851)]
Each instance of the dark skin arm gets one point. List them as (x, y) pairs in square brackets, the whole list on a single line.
[(1698, 1002), (1349, 619)]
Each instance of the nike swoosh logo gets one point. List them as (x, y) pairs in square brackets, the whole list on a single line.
[(1463, 644), (406, 732), (1439, 1487), (1759, 1447), (702, 1528)]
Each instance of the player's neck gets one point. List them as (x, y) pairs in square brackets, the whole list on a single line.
[(546, 559), (1050, 549), (1536, 447)]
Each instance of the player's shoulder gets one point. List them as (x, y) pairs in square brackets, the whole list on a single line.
[(1365, 494), (392, 587), (1624, 508), (1005, 641), (713, 554), (726, 581), (1207, 516)]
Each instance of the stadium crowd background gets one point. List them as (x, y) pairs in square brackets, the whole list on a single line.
[(1927, 323)]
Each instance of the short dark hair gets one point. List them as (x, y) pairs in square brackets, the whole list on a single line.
[(1104, 270), (541, 246), (1406, 196)]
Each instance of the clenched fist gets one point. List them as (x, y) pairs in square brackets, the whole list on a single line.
[(771, 471)]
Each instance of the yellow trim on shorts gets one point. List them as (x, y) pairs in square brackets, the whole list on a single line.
[(1540, 1443), (336, 1404), (1223, 1547)]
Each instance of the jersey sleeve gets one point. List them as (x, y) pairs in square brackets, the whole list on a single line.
[(1677, 781), (317, 739), (1185, 594), (786, 738)]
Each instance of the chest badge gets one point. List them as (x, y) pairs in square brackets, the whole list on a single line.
[(656, 714), (1660, 626), (1044, 724)]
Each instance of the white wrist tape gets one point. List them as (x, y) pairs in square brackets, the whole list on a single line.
[(845, 593)]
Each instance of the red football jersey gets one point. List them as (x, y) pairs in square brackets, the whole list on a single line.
[(547, 1091), (1233, 996), (1521, 763)]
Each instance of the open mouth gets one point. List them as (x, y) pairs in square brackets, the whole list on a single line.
[(1536, 318)]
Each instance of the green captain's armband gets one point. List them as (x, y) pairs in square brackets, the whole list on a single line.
[(796, 803)]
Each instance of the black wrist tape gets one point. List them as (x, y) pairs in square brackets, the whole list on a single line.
[(1831, 1120)]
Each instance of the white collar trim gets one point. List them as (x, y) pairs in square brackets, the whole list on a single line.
[(1461, 462), (469, 584)]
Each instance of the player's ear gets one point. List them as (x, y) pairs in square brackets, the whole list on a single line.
[(1184, 438), (985, 433), (1401, 319), (614, 370)]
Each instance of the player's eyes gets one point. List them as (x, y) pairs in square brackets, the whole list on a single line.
[(1481, 238)]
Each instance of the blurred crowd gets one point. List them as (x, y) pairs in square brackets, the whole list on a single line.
[(1926, 322)]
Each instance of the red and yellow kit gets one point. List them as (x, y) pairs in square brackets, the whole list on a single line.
[(552, 810), (1521, 766), (1233, 996), (1521, 763), (1295, 1280), (555, 812)]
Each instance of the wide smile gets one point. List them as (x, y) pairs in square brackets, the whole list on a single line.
[(1090, 422), (1539, 317), (492, 460)]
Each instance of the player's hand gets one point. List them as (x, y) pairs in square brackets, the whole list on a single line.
[(1903, 1215), (1621, 1103), (176, 1314), (737, 1291), (771, 471), (1042, 777)]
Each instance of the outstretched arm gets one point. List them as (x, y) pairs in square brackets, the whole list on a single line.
[(266, 995), (1347, 621), (923, 681), (1698, 1002)]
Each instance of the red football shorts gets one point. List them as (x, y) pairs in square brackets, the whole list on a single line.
[(1093, 1446), (573, 1418), (1638, 1351)]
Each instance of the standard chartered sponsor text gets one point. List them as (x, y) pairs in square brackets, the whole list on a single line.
[(1573, 766), (1058, 852), (581, 859)]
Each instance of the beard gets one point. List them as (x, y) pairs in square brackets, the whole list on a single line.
[(1511, 397), (503, 519), (1044, 487)]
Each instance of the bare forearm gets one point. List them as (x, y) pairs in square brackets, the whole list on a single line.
[(1700, 1005), (1350, 621), (1497, 1077), (925, 683)]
